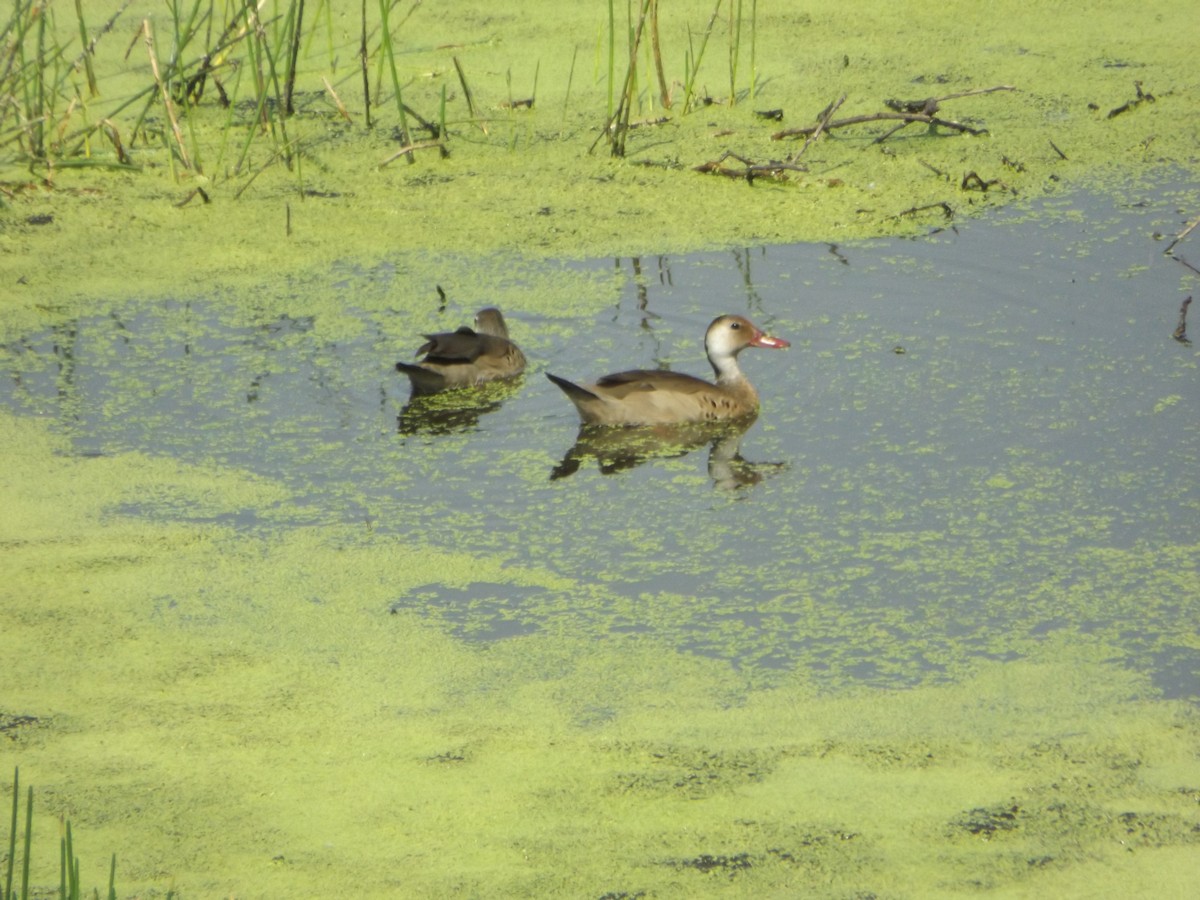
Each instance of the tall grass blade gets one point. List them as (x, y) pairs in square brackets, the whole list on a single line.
[(12, 834), (87, 54), (617, 126), (290, 78), (390, 59), (168, 103), (467, 95), (753, 47), (689, 91), (39, 90), (366, 71), (735, 48), (664, 93), (28, 844), (612, 56), (570, 81)]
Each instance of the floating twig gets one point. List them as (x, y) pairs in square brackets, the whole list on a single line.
[(1142, 97), (1180, 333), (337, 101), (408, 149), (1179, 237), (110, 130), (822, 123), (750, 169), (906, 112), (649, 123), (934, 169), (972, 182), (946, 208), (192, 194)]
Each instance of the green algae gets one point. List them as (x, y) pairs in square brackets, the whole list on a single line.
[(235, 713), (528, 187), (240, 694), (249, 710)]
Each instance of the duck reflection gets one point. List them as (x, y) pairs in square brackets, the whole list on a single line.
[(447, 412), (616, 449)]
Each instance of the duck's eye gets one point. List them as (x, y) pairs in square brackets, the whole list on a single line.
[(735, 325)]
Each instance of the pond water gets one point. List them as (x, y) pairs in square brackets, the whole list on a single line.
[(947, 577), (975, 439)]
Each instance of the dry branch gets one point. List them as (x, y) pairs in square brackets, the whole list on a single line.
[(822, 123), (905, 112), (408, 149), (749, 170), (1179, 237)]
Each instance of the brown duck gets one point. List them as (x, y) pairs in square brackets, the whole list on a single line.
[(652, 397), (467, 357)]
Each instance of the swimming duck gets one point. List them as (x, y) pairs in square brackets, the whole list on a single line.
[(652, 397), (466, 357)]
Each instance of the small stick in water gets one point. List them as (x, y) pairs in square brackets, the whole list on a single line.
[(1181, 329)]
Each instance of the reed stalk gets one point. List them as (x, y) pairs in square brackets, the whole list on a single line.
[(617, 127), (69, 883), (366, 72), (290, 78), (168, 103), (696, 57), (612, 55), (735, 46), (468, 95), (87, 55), (390, 61), (12, 834), (38, 107), (753, 47), (664, 94)]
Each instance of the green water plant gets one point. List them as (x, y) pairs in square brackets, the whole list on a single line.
[(69, 887), (644, 35)]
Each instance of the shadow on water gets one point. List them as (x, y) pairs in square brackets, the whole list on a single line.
[(977, 441)]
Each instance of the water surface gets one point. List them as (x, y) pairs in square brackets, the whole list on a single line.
[(925, 627)]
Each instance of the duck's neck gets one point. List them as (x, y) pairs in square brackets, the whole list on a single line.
[(727, 370), (732, 381)]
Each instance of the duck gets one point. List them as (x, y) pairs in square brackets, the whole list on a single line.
[(468, 357), (657, 397)]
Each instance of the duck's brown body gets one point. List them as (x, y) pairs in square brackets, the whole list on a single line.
[(467, 357), (651, 397)]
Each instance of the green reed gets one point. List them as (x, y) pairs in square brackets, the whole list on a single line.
[(69, 884), (389, 59)]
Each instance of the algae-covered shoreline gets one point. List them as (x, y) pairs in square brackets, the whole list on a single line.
[(235, 680), (524, 182)]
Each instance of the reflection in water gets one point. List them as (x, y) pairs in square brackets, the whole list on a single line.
[(616, 449), (1009, 479), (457, 410)]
